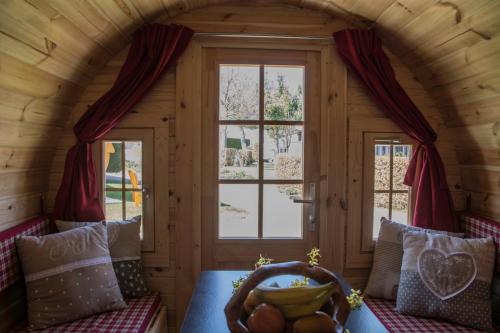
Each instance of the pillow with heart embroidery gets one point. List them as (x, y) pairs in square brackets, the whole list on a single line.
[(446, 275), (386, 269), (448, 278)]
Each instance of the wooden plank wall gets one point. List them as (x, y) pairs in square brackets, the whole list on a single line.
[(475, 126), (454, 52), (41, 75), (51, 50), (159, 108)]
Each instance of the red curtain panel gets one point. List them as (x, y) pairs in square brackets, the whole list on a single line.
[(362, 52), (155, 47)]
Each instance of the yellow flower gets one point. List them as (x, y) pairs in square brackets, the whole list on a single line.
[(314, 256), (263, 261), (355, 299)]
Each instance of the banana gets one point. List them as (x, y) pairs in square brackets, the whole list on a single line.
[(294, 311), (290, 296)]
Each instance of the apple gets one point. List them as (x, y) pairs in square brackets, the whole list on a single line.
[(266, 319)]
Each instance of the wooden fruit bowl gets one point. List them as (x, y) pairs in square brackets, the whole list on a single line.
[(337, 307)]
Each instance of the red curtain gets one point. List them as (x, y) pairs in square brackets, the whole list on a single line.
[(154, 49), (362, 52)]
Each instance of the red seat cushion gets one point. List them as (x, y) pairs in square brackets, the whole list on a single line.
[(133, 319), (396, 322)]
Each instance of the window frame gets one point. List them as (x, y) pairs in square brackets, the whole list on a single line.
[(369, 141), (359, 240), (146, 136)]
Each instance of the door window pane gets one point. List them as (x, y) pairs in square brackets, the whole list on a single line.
[(283, 93), (238, 211), (282, 218), (283, 151), (238, 152), (239, 92)]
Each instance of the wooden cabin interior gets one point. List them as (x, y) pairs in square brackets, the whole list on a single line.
[(228, 131)]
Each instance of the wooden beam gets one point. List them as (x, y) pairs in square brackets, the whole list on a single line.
[(188, 113)]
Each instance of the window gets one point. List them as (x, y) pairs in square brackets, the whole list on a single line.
[(391, 198), (385, 161), (123, 179), (379, 155), (260, 149), (125, 169)]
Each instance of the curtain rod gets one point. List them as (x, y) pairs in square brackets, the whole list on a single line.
[(230, 34)]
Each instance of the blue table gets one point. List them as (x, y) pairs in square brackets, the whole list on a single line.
[(205, 313)]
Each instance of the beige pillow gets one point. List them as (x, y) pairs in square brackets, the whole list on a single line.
[(68, 275), (448, 278), (384, 276), (123, 236), (125, 249)]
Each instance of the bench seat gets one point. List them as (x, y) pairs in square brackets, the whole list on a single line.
[(141, 315), (136, 318), (393, 321), (474, 227)]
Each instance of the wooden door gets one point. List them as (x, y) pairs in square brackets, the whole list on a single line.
[(260, 163)]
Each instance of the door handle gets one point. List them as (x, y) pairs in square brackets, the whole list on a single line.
[(311, 202), (146, 193)]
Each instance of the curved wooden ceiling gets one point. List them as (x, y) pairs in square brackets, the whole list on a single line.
[(51, 49)]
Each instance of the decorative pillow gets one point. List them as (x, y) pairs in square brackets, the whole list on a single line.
[(384, 277), (68, 275), (447, 277), (125, 249)]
